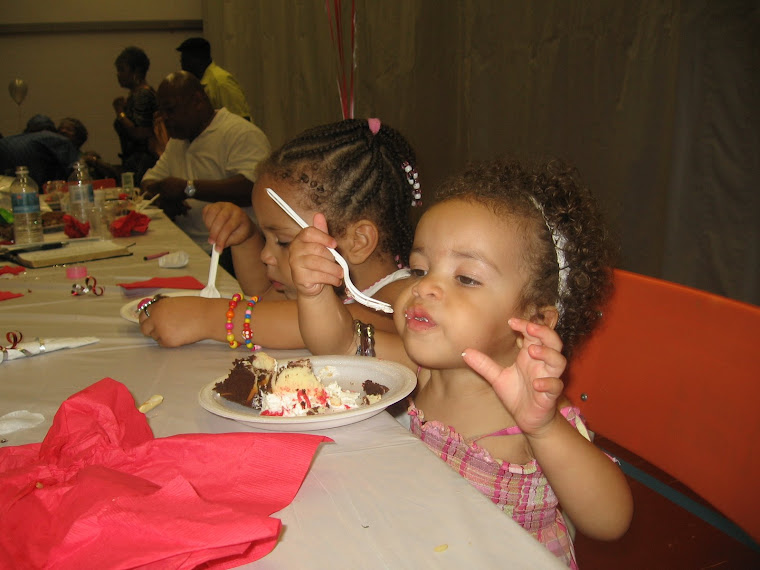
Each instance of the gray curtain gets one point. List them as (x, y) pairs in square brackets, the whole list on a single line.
[(656, 102)]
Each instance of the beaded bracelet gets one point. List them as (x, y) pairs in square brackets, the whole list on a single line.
[(365, 341), (247, 332), (231, 315)]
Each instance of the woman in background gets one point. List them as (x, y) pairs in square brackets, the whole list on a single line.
[(134, 113)]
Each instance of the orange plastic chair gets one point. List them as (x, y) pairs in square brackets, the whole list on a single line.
[(672, 374), (103, 183)]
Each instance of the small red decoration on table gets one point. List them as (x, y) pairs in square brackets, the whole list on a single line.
[(134, 222), (73, 228)]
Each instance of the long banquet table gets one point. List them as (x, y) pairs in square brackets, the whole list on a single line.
[(375, 498)]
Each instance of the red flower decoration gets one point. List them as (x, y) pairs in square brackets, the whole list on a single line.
[(73, 228), (134, 222)]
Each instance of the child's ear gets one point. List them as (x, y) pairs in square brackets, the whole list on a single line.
[(548, 315), (361, 241)]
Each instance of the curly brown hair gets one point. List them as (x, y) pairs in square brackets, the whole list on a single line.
[(539, 195), (349, 173)]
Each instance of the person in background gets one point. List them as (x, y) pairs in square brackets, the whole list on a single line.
[(211, 156), (509, 270), (221, 87), (48, 154), (74, 130), (134, 114), (40, 123)]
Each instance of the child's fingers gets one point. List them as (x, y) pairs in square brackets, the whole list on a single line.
[(313, 235), (320, 222), (551, 387), (547, 335), (221, 222), (312, 267), (534, 333), (313, 274), (552, 359), (317, 263), (482, 364)]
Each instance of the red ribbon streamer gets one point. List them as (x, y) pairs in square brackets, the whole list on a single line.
[(13, 337), (345, 84)]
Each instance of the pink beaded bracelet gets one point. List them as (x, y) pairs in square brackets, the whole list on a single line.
[(230, 316), (247, 332)]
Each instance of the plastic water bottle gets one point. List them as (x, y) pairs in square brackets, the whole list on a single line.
[(128, 184), (81, 195), (25, 202)]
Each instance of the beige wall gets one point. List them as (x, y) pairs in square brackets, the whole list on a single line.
[(65, 51)]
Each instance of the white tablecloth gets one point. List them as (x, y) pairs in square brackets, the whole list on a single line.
[(376, 498)]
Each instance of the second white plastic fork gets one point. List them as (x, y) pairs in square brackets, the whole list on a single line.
[(353, 290), (210, 291)]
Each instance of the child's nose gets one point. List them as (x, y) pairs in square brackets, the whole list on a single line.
[(267, 257), (427, 286)]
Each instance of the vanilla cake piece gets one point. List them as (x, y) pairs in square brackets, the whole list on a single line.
[(296, 391)]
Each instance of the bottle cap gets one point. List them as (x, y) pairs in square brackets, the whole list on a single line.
[(76, 272)]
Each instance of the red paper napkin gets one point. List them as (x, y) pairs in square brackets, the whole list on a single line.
[(183, 282), (133, 222), (5, 295), (101, 492), (73, 228), (10, 269)]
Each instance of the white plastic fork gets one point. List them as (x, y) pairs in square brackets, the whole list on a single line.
[(210, 291), (353, 290), (145, 203)]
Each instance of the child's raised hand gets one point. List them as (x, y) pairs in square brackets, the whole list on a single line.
[(312, 266), (227, 224), (530, 387)]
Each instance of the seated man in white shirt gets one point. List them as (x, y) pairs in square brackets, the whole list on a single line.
[(210, 157)]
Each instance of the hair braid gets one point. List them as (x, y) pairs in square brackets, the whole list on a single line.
[(349, 173)]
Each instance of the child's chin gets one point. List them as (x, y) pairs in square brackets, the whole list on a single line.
[(429, 357)]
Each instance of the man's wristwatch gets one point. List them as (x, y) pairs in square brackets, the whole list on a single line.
[(190, 189)]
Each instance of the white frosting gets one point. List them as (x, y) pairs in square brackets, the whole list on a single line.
[(334, 399), (346, 398)]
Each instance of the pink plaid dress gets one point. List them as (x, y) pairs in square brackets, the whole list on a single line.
[(521, 491)]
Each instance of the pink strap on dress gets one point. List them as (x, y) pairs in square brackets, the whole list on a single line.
[(514, 430)]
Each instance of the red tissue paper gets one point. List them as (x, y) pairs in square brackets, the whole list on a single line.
[(5, 295), (101, 492), (12, 270), (73, 228), (134, 222), (181, 282)]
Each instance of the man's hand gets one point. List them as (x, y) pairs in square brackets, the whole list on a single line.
[(172, 195)]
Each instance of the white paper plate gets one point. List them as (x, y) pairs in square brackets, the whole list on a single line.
[(129, 311), (348, 371)]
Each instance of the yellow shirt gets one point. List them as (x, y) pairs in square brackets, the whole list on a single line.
[(225, 91)]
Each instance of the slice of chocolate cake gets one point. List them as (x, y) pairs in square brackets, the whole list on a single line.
[(373, 391), (247, 380)]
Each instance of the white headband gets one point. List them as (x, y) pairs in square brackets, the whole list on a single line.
[(559, 249)]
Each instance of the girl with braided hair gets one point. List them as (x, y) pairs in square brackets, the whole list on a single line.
[(360, 174), (509, 264)]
